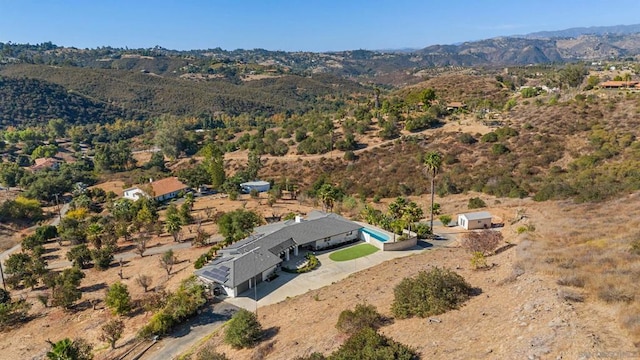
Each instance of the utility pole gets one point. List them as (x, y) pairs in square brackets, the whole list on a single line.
[(4, 285), (255, 283)]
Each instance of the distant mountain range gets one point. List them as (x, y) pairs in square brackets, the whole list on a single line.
[(114, 82), (578, 31)]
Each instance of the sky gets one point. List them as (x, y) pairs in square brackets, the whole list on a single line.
[(295, 25)]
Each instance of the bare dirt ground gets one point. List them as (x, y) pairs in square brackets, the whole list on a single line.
[(519, 313), (29, 340)]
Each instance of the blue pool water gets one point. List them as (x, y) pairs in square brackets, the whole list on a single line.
[(375, 234)]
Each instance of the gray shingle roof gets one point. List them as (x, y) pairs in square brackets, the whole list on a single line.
[(261, 251)]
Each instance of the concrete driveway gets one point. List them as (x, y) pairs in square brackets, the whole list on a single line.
[(289, 285)]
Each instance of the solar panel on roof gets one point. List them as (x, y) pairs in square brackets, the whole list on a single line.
[(225, 268), (220, 278), (214, 276)]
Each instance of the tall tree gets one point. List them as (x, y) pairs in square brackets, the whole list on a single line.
[(214, 164), (254, 164), (169, 136), (432, 162)]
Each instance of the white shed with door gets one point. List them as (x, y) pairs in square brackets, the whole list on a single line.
[(475, 220)]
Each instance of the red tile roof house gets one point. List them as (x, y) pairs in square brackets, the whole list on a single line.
[(618, 84), (45, 163), (162, 190)]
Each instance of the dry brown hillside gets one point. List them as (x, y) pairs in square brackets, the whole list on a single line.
[(529, 306)]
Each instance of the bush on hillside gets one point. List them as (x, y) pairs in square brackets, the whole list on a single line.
[(244, 330), (476, 203), (368, 344), (430, 293), (363, 316)]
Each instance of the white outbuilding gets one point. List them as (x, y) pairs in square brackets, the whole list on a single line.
[(259, 186), (475, 220)]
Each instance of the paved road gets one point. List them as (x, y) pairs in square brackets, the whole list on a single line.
[(189, 333)]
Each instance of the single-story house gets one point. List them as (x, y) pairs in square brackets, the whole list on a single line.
[(475, 220), (455, 105), (259, 186), (614, 84), (161, 190), (242, 265), (45, 163)]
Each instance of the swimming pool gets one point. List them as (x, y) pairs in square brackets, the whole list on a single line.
[(375, 234)]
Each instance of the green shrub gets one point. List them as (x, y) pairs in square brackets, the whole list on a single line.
[(368, 344), (209, 353), (349, 155), (445, 219), (476, 203), (185, 302), (478, 260), (312, 356), (363, 316), (467, 138), (243, 330), (499, 149), (430, 293), (525, 228), (489, 137), (312, 263), (506, 132), (529, 92), (635, 247), (422, 230), (12, 313), (118, 298)]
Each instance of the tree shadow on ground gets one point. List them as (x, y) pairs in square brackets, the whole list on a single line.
[(270, 333), (476, 291), (503, 249), (94, 287)]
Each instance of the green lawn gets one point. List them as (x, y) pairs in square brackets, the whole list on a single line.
[(353, 252)]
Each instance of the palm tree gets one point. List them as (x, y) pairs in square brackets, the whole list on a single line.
[(412, 213), (432, 162), (328, 194), (94, 233), (173, 225), (62, 350)]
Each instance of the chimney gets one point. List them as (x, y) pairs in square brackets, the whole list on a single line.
[(298, 219)]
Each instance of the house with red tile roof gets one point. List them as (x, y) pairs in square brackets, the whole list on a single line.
[(45, 163), (613, 84), (159, 190)]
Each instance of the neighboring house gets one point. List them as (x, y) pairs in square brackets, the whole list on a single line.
[(162, 190), (455, 105), (612, 84), (259, 186), (475, 220), (45, 163), (248, 262)]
